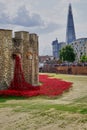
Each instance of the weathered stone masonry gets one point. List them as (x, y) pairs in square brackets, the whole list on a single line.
[(23, 44)]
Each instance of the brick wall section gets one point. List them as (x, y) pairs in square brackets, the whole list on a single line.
[(65, 69), (74, 70)]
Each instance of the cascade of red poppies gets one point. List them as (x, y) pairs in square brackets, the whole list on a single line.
[(19, 87), (18, 82)]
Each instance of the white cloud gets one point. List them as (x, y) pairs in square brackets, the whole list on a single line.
[(46, 18), (24, 18)]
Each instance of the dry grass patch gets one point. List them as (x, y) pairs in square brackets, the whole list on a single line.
[(66, 112)]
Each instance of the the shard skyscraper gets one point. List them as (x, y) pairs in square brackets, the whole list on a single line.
[(70, 32)]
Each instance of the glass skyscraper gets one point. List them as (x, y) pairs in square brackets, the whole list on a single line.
[(70, 32), (55, 47)]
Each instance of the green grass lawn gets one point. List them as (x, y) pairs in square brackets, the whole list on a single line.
[(79, 106), (42, 111), (74, 106)]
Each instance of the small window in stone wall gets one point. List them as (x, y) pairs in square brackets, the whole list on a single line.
[(31, 42), (15, 54), (29, 55), (17, 42)]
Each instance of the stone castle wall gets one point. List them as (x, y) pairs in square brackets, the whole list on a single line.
[(23, 44)]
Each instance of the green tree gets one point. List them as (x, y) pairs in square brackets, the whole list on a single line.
[(67, 54), (83, 58)]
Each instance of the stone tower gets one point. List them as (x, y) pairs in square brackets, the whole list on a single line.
[(23, 44), (5, 58), (70, 32)]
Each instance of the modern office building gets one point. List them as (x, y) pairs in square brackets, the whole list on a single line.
[(61, 45), (70, 31), (80, 47), (55, 48)]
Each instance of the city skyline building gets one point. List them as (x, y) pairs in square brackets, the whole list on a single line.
[(79, 45), (80, 48), (55, 48), (70, 31), (70, 35)]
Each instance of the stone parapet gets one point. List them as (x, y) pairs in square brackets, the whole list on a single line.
[(22, 35)]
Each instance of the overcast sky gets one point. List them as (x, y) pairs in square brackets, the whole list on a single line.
[(47, 18)]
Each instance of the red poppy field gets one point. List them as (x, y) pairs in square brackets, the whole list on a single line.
[(19, 87), (49, 87)]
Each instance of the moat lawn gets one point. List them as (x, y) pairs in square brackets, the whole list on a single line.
[(68, 111)]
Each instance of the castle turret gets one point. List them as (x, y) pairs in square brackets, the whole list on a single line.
[(28, 49), (35, 70), (5, 58)]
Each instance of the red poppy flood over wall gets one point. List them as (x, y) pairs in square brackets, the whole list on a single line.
[(19, 87)]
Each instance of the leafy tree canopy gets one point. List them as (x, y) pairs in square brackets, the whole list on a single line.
[(83, 58), (67, 54)]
